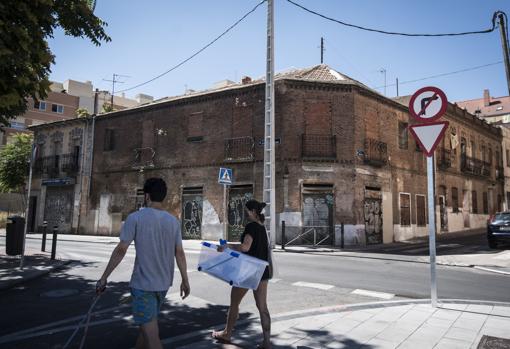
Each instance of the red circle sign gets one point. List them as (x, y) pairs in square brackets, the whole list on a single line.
[(428, 104)]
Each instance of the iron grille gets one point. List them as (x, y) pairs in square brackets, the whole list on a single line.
[(475, 166), (444, 158), (239, 149), (318, 146), (376, 152)]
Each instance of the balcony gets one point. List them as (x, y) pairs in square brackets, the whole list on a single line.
[(474, 166), (57, 165), (318, 147), (376, 152), (444, 158), (239, 149)]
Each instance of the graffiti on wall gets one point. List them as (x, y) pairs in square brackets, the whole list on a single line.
[(237, 217), (192, 216), (318, 219), (373, 220), (58, 207)]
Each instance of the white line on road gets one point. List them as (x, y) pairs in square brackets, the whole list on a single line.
[(492, 270), (374, 294), (274, 281), (313, 285)]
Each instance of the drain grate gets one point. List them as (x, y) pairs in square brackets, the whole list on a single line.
[(488, 342), (64, 292)]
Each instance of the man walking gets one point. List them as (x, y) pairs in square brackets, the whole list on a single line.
[(157, 237)]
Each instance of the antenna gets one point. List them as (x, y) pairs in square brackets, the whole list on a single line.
[(114, 81)]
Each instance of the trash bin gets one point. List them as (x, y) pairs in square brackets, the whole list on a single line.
[(14, 238)]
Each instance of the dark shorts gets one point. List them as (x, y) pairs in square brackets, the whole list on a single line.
[(146, 305)]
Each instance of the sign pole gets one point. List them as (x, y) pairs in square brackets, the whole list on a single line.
[(225, 212), (25, 228), (432, 230)]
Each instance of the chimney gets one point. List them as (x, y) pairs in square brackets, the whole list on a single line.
[(486, 98), (245, 80)]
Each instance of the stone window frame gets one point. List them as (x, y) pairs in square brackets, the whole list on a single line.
[(424, 210), (400, 209), (402, 129), (455, 199)]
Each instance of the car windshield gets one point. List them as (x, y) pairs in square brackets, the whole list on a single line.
[(502, 217)]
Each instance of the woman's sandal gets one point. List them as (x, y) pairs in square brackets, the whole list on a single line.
[(220, 338)]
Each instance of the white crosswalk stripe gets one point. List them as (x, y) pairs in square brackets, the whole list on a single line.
[(374, 294), (313, 285)]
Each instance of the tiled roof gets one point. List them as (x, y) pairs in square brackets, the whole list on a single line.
[(497, 106)]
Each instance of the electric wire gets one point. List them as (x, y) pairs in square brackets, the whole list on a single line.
[(197, 52)]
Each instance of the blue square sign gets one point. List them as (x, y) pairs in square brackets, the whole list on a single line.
[(225, 176)]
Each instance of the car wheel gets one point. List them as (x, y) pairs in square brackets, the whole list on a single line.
[(493, 244)]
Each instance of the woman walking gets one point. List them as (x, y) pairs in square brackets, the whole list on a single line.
[(254, 242)]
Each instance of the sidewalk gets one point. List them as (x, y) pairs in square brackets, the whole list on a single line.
[(403, 324), (34, 266)]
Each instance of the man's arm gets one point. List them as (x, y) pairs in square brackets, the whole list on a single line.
[(180, 258), (117, 255)]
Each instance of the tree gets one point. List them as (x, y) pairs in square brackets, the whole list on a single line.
[(25, 58), (81, 113), (14, 164)]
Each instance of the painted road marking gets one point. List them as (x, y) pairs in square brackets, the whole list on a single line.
[(313, 285), (274, 281), (374, 294)]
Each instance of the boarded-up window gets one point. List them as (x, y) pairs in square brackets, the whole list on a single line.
[(403, 141), (318, 117), (455, 200), (485, 203), (405, 209), (109, 139), (421, 219), (474, 202), (242, 121), (195, 127)]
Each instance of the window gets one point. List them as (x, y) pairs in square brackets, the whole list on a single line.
[(196, 127), (507, 158), (489, 160), (57, 108), (402, 135), (485, 203), (473, 150), (421, 219), (474, 202), (109, 139), (455, 200), (405, 210), (500, 202), (484, 159), (40, 105)]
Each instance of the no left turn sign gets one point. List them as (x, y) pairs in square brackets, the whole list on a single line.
[(428, 104)]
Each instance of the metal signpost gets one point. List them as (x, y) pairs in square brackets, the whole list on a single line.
[(427, 105), (225, 177)]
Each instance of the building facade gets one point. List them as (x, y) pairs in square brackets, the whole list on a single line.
[(347, 172), (61, 174)]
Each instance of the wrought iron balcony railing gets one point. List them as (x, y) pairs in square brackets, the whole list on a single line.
[(500, 172), (239, 149), (56, 165), (376, 152), (444, 158), (475, 166), (315, 146)]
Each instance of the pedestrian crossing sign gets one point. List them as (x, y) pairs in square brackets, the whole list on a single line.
[(225, 176)]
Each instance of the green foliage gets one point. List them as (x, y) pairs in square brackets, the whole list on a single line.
[(14, 163), (107, 108), (25, 58), (81, 113)]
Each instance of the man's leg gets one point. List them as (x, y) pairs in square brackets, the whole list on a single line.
[(140, 342), (150, 333)]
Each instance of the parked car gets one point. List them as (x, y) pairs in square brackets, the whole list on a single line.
[(498, 229)]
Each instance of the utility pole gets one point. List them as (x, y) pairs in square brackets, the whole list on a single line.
[(322, 50), (114, 80), (397, 87), (269, 134), (504, 42)]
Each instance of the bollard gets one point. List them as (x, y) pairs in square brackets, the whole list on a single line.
[(283, 235), (43, 247), (54, 242), (341, 235)]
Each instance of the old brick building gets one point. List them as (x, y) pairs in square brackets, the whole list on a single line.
[(346, 166)]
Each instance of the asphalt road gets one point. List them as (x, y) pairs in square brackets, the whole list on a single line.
[(40, 313)]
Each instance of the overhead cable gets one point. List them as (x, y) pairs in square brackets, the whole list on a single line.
[(398, 33), (197, 52)]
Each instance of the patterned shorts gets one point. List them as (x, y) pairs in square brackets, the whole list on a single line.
[(146, 305)]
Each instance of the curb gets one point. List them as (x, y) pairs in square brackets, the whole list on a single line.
[(34, 275), (185, 339)]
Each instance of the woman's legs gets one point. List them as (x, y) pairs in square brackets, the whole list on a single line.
[(260, 295), (236, 296)]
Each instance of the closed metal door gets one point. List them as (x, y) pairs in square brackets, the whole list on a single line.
[(317, 219), (192, 201), (237, 218)]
